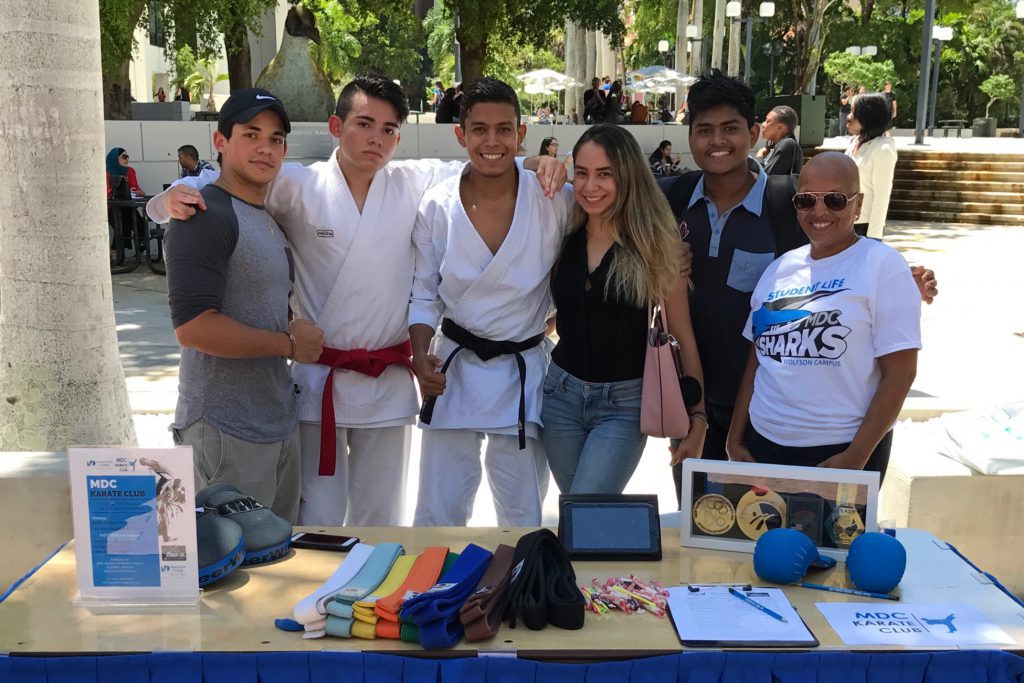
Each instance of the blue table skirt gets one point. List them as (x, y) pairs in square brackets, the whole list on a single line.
[(689, 667)]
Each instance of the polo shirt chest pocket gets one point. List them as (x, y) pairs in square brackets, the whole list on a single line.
[(746, 269)]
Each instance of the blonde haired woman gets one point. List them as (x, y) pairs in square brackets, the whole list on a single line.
[(624, 252)]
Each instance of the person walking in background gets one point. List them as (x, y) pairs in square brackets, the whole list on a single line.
[(782, 154), (622, 256), (875, 156), (161, 96), (890, 98)]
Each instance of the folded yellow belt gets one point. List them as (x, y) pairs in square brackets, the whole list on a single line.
[(423, 575), (362, 610)]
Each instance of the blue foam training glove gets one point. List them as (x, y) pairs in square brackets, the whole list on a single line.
[(784, 556), (876, 562)]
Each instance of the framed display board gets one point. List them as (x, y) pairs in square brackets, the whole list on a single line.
[(729, 505)]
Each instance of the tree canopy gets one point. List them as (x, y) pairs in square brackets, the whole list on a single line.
[(844, 68), (483, 25)]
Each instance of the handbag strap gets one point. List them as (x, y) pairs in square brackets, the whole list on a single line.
[(676, 350)]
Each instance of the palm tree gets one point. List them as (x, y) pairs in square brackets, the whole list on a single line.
[(203, 80), (60, 373)]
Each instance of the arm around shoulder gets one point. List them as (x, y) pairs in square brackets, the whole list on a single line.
[(181, 200)]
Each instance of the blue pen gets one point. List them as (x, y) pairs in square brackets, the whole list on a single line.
[(849, 591), (755, 603)]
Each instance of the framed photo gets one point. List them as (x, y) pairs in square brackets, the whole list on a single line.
[(729, 505)]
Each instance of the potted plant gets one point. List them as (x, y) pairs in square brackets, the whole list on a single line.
[(997, 87)]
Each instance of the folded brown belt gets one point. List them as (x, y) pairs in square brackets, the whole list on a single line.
[(482, 612)]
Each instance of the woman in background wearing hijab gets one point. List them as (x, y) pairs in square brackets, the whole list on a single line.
[(119, 172), (122, 184)]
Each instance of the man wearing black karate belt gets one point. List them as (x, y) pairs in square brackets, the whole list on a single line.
[(485, 244)]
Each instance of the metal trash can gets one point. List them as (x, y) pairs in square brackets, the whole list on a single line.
[(984, 128)]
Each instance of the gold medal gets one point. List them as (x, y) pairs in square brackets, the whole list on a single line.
[(714, 514), (760, 510), (844, 524)]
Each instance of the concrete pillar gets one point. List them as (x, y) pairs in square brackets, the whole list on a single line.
[(608, 58), (570, 64), (682, 19), (718, 35), (697, 56), (591, 56), (735, 29)]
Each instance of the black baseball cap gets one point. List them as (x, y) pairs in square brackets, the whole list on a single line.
[(244, 104)]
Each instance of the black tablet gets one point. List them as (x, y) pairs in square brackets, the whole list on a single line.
[(609, 527)]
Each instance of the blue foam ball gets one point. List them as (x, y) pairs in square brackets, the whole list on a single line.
[(876, 562)]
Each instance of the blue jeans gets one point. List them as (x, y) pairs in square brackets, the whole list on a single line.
[(591, 432)]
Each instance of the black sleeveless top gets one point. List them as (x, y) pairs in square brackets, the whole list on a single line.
[(598, 340)]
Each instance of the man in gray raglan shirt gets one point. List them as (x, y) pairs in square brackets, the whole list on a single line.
[(229, 274)]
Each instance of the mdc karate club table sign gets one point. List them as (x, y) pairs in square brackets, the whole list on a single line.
[(135, 525), (942, 625)]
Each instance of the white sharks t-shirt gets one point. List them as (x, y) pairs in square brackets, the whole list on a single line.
[(818, 328)]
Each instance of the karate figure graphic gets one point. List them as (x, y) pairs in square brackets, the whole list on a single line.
[(169, 499), (947, 622)]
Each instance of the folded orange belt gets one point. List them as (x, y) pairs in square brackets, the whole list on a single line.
[(422, 576)]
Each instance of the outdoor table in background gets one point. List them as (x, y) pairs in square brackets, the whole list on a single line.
[(141, 238)]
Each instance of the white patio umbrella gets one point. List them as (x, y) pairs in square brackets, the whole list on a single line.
[(545, 82), (547, 78)]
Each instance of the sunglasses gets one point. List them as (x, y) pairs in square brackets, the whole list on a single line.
[(834, 201), (124, 156)]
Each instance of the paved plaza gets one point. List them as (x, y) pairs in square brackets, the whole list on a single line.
[(972, 357)]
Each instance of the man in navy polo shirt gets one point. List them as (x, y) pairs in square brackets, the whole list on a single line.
[(736, 222), (727, 228)]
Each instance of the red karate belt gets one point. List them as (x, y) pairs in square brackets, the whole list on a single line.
[(371, 363)]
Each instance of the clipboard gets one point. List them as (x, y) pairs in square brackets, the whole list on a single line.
[(710, 616)]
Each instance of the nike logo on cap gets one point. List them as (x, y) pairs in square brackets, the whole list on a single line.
[(266, 97)]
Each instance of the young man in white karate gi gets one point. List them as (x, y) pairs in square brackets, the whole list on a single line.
[(485, 245), (349, 220)]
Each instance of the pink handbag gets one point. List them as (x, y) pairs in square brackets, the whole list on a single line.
[(662, 411)]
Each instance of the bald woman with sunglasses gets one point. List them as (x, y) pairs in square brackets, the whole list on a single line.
[(836, 327)]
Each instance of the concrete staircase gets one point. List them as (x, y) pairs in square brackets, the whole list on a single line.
[(953, 187)]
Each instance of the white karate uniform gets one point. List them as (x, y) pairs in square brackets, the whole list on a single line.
[(353, 276), (499, 297)]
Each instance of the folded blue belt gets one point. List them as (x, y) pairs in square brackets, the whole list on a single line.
[(436, 611)]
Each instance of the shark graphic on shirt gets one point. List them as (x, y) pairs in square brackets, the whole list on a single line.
[(783, 329)]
